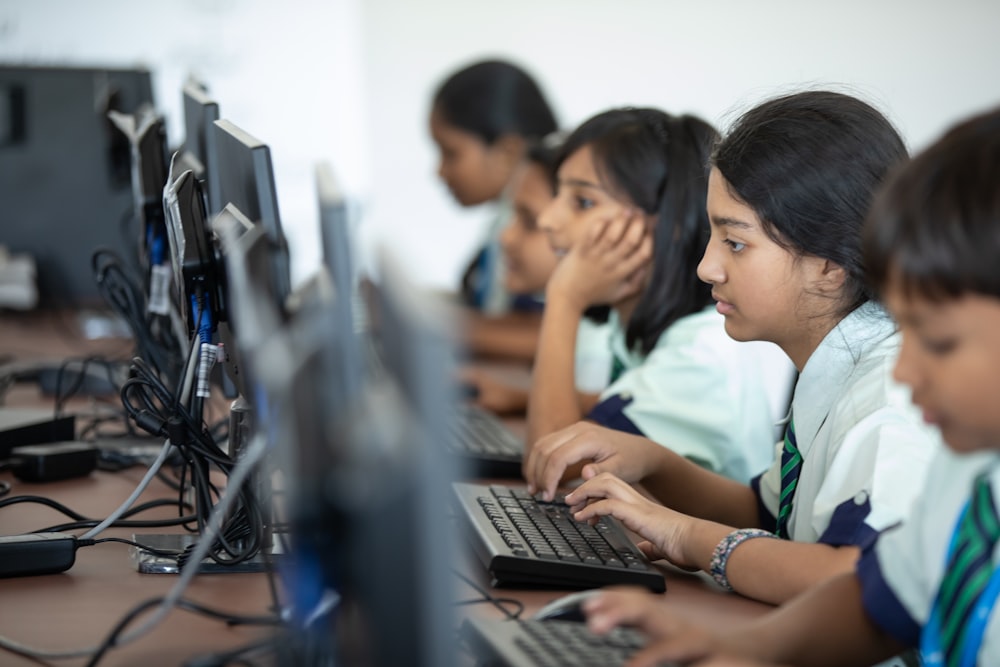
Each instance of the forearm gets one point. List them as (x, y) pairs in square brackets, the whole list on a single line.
[(825, 626), (511, 336), (769, 569), (587, 401), (553, 400), (688, 488)]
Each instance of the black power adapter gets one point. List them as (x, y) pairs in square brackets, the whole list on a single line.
[(36, 553), (53, 461)]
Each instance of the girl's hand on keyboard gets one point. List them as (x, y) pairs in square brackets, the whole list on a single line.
[(665, 529), (628, 457)]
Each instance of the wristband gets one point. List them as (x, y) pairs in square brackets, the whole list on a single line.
[(724, 549)]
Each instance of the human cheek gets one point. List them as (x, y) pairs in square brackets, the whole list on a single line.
[(970, 399), (541, 262)]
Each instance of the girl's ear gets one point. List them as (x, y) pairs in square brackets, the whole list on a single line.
[(831, 278), (510, 148)]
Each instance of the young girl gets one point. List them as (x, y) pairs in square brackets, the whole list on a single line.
[(629, 216), (931, 242), (529, 262), (482, 119), (788, 191)]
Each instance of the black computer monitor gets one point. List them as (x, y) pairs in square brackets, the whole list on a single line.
[(245, 178), (338, 258), (200, 113), (196, 271), (368, 488), (65, 172), (146, 133), (253, 308)]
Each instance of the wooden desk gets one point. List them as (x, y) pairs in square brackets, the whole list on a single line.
[(78, 608)]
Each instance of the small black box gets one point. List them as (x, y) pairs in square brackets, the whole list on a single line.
[(52, 462)]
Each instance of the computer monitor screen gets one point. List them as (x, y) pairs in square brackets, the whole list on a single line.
[(200, 113), (245, 177), (66, 172)]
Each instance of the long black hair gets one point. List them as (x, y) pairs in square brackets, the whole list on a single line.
[(934, 229), (659, 162), (809, 164), (493, 98)]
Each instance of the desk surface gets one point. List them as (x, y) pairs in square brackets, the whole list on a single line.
[(78, 608)]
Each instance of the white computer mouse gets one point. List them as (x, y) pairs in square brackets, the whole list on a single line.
[(566, 608)]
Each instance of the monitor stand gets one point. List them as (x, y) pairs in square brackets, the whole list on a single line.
[(240, 430), (148, 563)]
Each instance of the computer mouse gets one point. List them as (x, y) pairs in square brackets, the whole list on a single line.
[(566, 608)]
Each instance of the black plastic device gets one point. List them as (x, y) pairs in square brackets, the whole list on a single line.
[(36, 553)]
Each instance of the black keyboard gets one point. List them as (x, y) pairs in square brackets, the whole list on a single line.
[(534, 643), (484, 445), (523, 541)]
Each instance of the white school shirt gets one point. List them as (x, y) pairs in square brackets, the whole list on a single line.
[(491, 294), (592, 366), (901, 574), (865, 448), (701, 394)]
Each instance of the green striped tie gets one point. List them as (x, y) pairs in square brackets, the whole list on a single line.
[(617, 368), (969, 569), (791, 464)]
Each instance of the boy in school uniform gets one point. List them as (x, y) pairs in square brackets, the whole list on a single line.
[(931, 247)]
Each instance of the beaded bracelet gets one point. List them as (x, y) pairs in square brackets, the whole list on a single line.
[(724, 549)]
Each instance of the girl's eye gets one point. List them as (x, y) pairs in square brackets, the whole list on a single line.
[(735, 246), (938, 347), (584, 203)]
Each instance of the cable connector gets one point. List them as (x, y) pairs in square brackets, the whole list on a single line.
[(149, 422)]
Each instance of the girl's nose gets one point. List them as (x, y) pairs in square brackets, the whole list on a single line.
[(549, 217), (709, 268)]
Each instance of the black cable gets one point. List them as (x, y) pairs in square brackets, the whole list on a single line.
[(111, 640), (496, 602), (82, 525), (164, 553), (158, 410), (63, 509), (64, 394), (154, 337), (239, 655)]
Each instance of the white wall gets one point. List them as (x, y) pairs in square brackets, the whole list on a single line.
[(925, 63), (289, 73), (348, 80)]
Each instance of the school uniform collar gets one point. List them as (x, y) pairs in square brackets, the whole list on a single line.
[(831, 365)]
